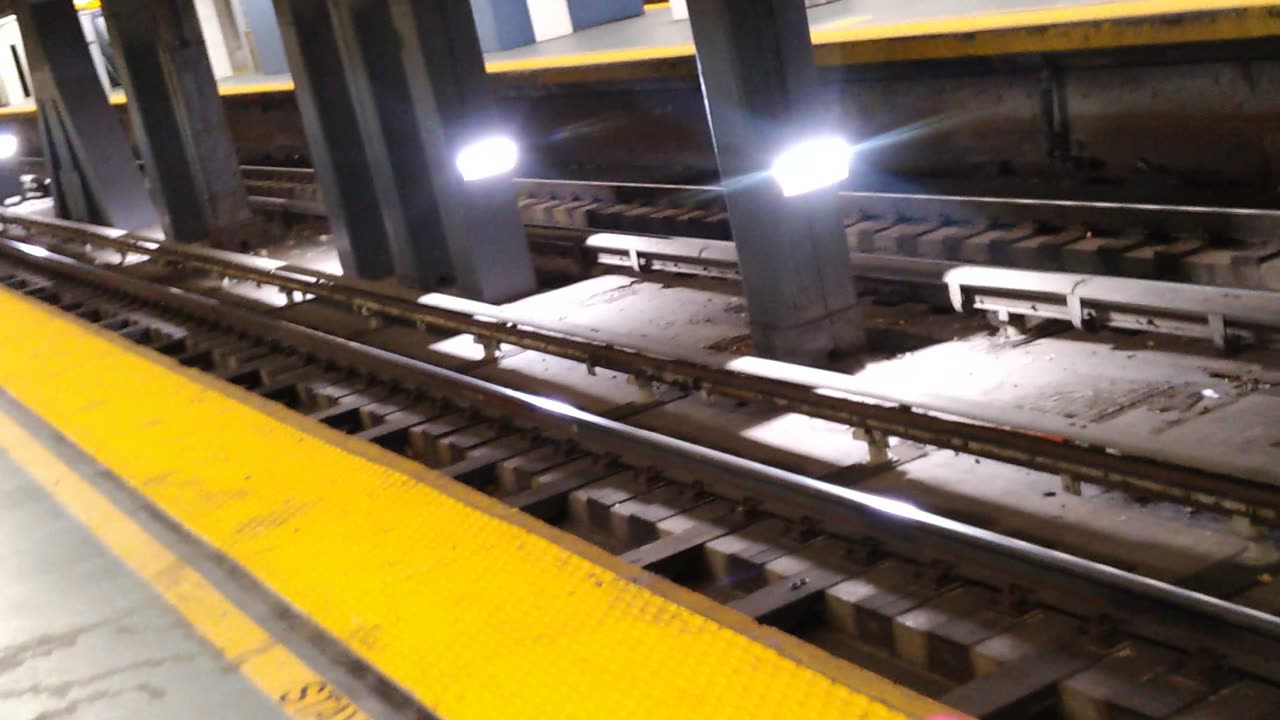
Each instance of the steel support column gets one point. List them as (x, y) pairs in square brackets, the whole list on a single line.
[(762, 94), (95, 175), (178, 120), (454, 106), (369, 49), (333, 134), (413, 92)]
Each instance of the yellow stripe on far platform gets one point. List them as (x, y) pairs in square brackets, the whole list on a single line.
[(860, 40), (476, 610), (1098, 26)]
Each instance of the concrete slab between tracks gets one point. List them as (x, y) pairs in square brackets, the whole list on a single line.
[(1133, 388), (1128, 392), (1114, 385), (472, 608)]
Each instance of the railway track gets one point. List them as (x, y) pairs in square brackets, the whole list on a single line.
[(572, 236), (1089, 454), (1222, 247), (992, 625)]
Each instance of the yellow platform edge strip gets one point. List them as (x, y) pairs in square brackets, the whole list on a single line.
[(1169, 13), (251, 650), (1079, 27), (475, 609), (1093, 27), (1082, 27)]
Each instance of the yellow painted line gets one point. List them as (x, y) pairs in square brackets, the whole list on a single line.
[(1015, 31), (274, 86), (1093, 27), (23, 109), (1037, 17), (303, 693), (477, 610), (118, 98), (603, 57)]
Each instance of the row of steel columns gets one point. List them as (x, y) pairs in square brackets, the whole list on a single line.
[(193, 188), (392, 93)]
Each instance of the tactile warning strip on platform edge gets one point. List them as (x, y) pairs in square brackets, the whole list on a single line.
[(473, 608)]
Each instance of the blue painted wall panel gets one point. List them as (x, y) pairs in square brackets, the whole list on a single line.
[(589, 13), (260, 16), (502, 24)]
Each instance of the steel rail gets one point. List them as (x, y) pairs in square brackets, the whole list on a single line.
[(1156, 217), (1228, 317), (1146, 605), (1019, 438), (620, 249), (1150, 216), (986, 210)]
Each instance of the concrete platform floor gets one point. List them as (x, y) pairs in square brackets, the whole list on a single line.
[(658, 29), (657, 33), (84, 635)]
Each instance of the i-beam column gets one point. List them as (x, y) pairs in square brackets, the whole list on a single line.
[(762, 93), (95, 175), (417, 93), (338, 151), (179, 122), (455, 108)]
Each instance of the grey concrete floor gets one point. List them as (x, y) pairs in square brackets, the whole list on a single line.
[(657, 28), (81, 636)]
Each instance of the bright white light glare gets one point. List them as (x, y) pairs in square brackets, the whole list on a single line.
[(555, 406), (32, 250), (812, 165), (896, 507), (488, 158), (8, 145)]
